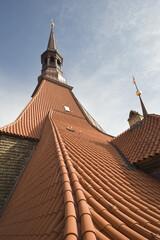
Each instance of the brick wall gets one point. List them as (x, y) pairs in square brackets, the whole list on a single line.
[(14, 155)]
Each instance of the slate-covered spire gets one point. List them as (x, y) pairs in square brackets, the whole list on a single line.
[(52, 41), (138, 93)]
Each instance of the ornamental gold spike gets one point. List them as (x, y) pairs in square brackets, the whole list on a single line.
[(134, 81), (138, 93), (52, 24)]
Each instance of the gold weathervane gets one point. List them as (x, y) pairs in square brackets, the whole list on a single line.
[(52, 24), (138, 93)]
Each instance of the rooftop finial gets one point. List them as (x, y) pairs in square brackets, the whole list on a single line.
[(52, 24), (51, 42), (138, 93)]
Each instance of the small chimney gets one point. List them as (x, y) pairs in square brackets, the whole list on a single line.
[(134, 118)]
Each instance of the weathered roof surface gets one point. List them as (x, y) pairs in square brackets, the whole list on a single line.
[(142, 141), (76, 185)]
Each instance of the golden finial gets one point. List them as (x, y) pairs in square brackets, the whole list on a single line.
[(138, 93), (52, 24)]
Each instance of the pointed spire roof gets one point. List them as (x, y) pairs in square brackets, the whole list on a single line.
[(144, 110), (138, 93), (51, 42)]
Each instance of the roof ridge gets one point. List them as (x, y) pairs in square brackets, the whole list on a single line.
[(22, 113), (31, 101), (154, 115), (88, 117), (84, 212), (70, 212)]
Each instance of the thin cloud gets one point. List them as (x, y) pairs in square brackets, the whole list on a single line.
[(103, 45)]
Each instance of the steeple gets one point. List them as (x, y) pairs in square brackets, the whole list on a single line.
[(52, 61), (52, 41), (138, 93)]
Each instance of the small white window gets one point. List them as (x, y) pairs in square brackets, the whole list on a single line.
[(67, 109)]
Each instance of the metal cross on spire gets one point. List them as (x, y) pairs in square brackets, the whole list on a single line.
[(138, 93)]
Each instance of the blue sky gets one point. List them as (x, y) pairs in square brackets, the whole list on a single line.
[(103, 43)]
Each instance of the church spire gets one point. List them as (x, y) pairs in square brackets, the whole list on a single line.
[(138, 93), (52, 61), (52, 41)]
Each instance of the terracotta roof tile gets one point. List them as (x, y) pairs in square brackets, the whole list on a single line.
[(141, 142), (76, 185), (31, 120)]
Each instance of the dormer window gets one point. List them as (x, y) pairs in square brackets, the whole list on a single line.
[(52, 61), (67, 109)]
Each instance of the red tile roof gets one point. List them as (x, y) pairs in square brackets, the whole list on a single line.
[(76, 185), (142, 141), (48, 96)]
